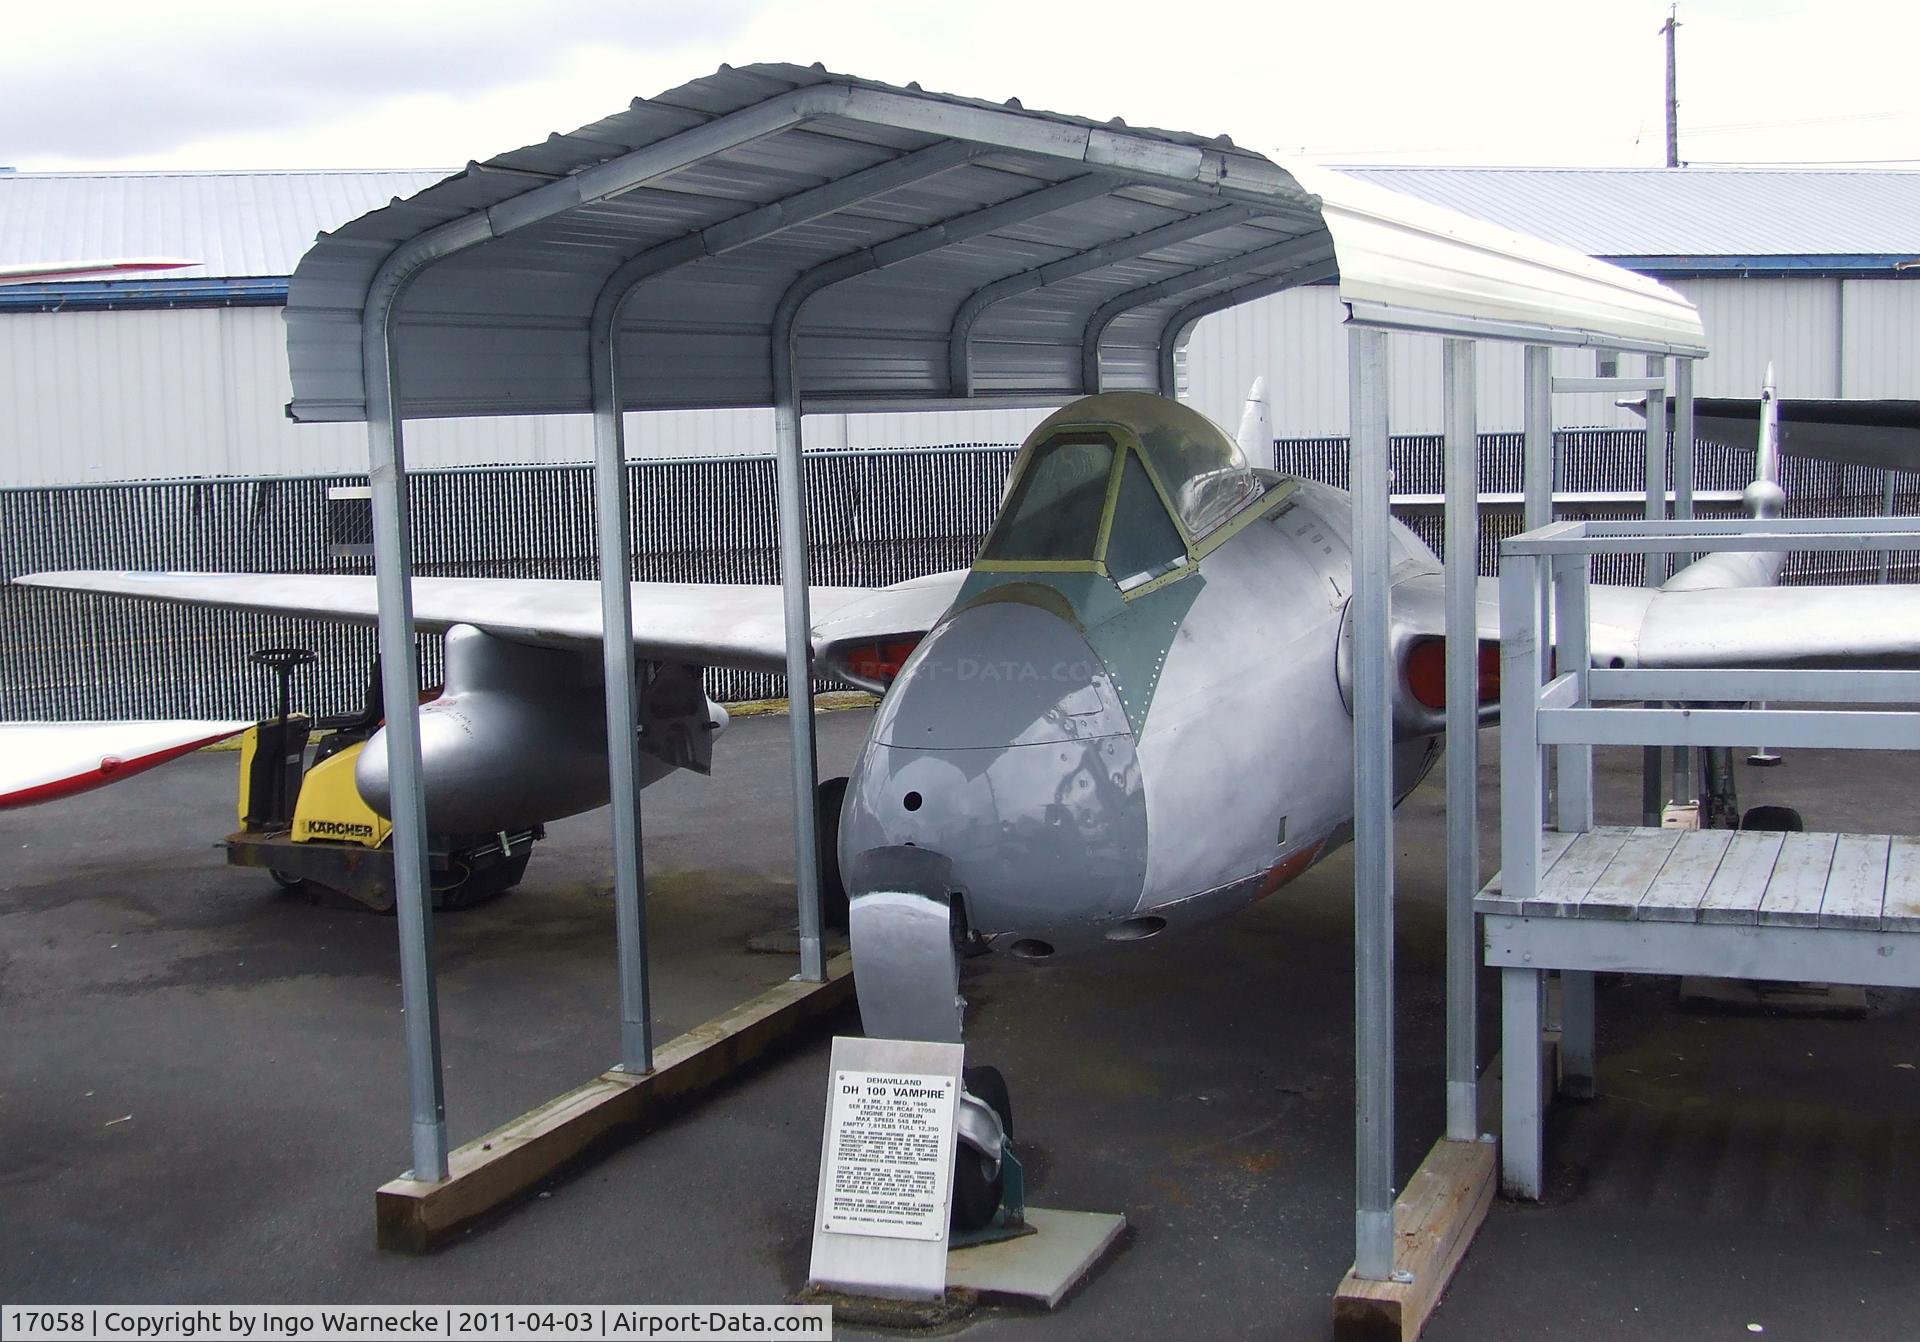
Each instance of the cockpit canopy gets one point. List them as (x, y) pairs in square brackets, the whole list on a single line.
[(1125, 482)]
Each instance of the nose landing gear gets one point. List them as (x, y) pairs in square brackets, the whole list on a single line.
[(907, 977), (988, 1203)]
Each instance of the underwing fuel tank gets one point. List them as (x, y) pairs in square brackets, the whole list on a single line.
[(518, 736), (1003, 747)]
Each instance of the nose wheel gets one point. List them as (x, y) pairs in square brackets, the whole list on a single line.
[(829, 797), (980, 1185), (907, 977)]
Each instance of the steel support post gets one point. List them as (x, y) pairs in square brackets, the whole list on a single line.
[(1372, 811), (1653, 781), (1521, 658), (1656, 570), (1537, 421), (790, 470), (1684, 438), (1537, 473), (1462, 551), (400, 684), (1888, 501), (1573, 802), (622, 691), (1572, 764), (1521, 815), (1685, 788)]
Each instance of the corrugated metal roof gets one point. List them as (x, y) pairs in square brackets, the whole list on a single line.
[(237, 224), (258, 224), (1675, 212), (961, 250)]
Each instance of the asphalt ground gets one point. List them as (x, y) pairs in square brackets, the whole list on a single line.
[(202, 1083)]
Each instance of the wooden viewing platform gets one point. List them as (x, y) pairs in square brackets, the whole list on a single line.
[(1829, 908), (1868, 882)]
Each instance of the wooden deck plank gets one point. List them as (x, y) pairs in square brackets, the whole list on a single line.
[(1553, 843), (1733, 896), (1628, 877), (1857, 882), (1566, 882), (1901, 911), (1799, 881), (1677, 890)]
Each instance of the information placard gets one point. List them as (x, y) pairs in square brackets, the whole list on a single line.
[(888, 1162), (886, 1166)]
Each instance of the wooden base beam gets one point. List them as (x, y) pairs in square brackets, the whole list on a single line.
[(1434, 1221), (507, 1164)]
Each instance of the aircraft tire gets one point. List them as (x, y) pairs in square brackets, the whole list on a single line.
[(987, 1084), (976, 1195), (1774, 819), (828, 798)]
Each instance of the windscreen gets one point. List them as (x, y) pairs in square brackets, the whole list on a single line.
[(1053, 511), (1142, 543), (1208, 476)]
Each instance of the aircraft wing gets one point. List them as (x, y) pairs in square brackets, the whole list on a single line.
[(1880, 433), (1762, 627), (736, 625), (40, 761), (1780, 627), (35, 272)]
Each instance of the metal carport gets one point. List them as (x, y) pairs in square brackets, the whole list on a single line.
[(779, 235)]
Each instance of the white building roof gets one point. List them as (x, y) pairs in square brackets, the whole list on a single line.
[(1683, 212)]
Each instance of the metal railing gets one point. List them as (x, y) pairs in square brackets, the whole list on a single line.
[(1546, 573)]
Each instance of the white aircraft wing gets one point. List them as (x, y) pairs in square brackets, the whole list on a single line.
[(40, 761), (1762, 627), (34, 272), (737, 625), (1781, 627)]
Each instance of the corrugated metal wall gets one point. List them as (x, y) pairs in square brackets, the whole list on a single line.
[(1805, 327), (879, 517), (198, 392), (1880, 339), (95, 396)]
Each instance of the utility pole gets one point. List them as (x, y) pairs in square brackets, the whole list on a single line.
[(1671, 27)]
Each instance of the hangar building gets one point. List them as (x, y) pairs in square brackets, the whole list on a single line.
[(182, 372)]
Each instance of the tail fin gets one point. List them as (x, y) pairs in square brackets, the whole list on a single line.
[(1763, 498), (1256, 427)]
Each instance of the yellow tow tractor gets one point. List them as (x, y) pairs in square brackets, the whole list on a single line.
[(303, 821)]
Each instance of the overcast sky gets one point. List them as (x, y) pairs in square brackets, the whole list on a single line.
[(421, 83)]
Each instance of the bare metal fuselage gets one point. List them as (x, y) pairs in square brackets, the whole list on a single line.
[(1071, 818)]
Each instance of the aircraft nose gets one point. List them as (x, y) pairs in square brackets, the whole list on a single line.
[(1004, 747)]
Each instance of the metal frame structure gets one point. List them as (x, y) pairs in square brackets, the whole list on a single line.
[(734, 242), (1573, 706)]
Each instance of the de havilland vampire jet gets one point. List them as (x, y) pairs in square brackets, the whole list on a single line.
[(1129, 717)]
